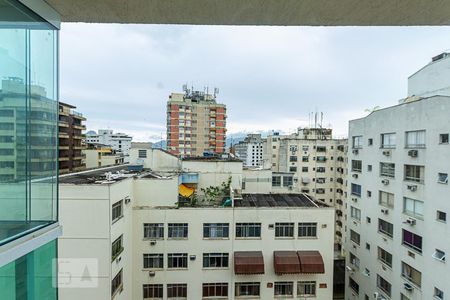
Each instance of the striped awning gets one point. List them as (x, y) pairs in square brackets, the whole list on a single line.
[(311, 262), (248, 262), (286, 262)]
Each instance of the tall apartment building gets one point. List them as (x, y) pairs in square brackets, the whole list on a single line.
[(28, 150), (119, 142), (397, 241), (196, 124), (250, 150), (71, 156), (263, 246), (311, 161)]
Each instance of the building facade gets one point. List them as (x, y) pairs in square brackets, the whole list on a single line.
[(196, 124), (98, 155), (28, 150), (150, 247), (397, 224), (311, 161), (119, 142), (70, 123), (250, 150)]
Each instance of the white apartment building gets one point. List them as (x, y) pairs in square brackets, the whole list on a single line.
[(310, 161), (397, 227), (119, 142), (250, 150), (263, 246)]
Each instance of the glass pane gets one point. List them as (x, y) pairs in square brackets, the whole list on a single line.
[(28, 121)]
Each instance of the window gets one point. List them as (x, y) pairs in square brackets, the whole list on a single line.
[(356, 189), (370, 142), (385, 256), (216, 230), (439, 255), (411, 274), (305, 147), (369, 168), (443, 138), (320, 180), (306, 289), (321, 149), (117, 283), (153, 291), (248, 230), (415, 139), (305, 158), (403, 297), (412, 240), (178, 290), (215, 260), (439, 294), (354, 260), (177, 260), (292, 158), (215, 289), (442, 177), (441, 216), (142, 153), (384, 285), (287, 180), (304, 169), (321, 159), (276, 180), (178, 230), (320, 170), (154, 231), (283, 289), (354, 237), (388, 140), (414, 173), (117, 247), (153, 261), (307, 229), (284, 229), (413, 207), (356, 165), (357, 142), (117, 210), (292, 169), (385, 227), (247, 289), (387, 169), (355, 213), (353, 285), (386, 199)]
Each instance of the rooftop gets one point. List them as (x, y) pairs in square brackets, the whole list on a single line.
[(212, 159), (277, 200)]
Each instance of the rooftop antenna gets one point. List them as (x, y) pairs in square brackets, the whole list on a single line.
[(216, 91)]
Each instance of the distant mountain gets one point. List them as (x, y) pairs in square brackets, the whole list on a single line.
[(160, 144)]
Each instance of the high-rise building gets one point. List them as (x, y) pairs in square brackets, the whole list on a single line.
[(28, 150), (196, 124), (311, 161), (397, 226), (71, 156), (250, 150), (119, 142)]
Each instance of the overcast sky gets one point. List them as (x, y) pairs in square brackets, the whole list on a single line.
[(270, 78)]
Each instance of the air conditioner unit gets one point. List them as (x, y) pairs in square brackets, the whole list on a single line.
[(376, 295), (408, 286), (127, 200), (355, 175), (118, 259), (412, 187), (387, 153), (349, 269), (366, 273), (385, 181), (290, 187), (355, 151), (355, 199), (152, 243), (151, 273), (410, 221), (413, 153), (385, 211)]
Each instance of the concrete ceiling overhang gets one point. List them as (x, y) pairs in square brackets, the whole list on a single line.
[(257, 12)]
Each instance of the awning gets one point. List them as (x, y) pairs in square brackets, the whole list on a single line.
[(311, 262), (185, 191), (286, 262), (248, 262)]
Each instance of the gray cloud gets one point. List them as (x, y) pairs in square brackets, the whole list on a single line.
[(269, 77)]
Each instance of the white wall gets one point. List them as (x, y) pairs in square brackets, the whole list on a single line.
[(433, 79), (156, 160)]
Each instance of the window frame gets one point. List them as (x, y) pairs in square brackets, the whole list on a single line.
[(286, 287), (223, 258), (389, 144), (153, 291), (180, 290), (421, 172), (177, 231), (410, 277), (115, 217), (249, 287), (221, 228), (413, 213), (159, 229), (386, 199), (387, 169), (152, 257), (180, 259), (244, 230), (220, 290), (307, 230), (381, 229), (411, 245), (416, 145), (282, 228)]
